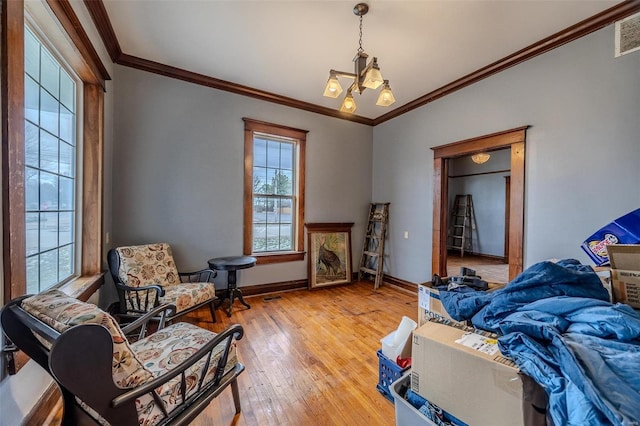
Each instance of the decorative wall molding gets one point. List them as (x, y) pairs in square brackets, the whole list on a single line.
[(101, 19)]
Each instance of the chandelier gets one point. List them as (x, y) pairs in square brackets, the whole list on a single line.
[(480, 158), (365, 76)]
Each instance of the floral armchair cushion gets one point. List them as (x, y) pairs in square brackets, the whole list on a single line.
[(61, 312), (147, 264), (163, 351), (141, 361), (187, 295), (153, 264)]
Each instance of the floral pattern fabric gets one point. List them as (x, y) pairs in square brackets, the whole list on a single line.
[(147, 264), (153, 264), (162, 352), (141, 361), (62, 312), (187, 295)]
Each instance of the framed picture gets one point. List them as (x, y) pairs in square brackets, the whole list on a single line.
[(329, 248)]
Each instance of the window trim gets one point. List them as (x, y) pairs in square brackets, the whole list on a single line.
[(46, 44), (93, 76), (300, 136)]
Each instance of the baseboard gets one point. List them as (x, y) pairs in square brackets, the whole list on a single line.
[(256, 290), (486, 256), (45, 408), (402, 284), (262, 289)]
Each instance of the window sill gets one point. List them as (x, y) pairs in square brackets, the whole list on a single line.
[(267, 258), (82, 287)]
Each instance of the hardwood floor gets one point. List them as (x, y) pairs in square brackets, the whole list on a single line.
[(492, 270), (310, 356)]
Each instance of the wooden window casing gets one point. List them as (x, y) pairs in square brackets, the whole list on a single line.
[(299, 136), (53, 18), (514, 139)]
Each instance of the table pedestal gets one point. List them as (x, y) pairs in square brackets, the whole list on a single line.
[(233, 291), (231, 264)]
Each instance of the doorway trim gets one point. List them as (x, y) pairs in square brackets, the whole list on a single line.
[(514, 139)]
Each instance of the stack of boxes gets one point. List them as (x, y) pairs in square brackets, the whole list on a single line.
[(461, 372)]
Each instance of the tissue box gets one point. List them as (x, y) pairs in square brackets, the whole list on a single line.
[(391, 351)]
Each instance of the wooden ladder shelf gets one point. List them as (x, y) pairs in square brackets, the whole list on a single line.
[(461, 224), (372, 262)]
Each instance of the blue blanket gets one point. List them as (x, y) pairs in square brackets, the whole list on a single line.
[(559, 328)]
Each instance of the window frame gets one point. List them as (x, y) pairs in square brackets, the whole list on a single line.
[(299, 137), (77, 146), (55, 20)]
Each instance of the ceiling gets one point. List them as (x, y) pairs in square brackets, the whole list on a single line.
[(288, 47)]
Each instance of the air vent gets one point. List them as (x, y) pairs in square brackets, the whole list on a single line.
[(628, 35)]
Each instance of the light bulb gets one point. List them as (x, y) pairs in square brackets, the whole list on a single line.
[(348, 104), (333, 88)]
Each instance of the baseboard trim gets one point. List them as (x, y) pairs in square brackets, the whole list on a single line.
[(485, 256), (402, 284), (44, 409), (261, 289)]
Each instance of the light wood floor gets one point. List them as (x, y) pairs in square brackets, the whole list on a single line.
[(491, 270), (310, 357)]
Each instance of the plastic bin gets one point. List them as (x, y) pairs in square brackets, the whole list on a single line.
[(406, 414), (389, 373)]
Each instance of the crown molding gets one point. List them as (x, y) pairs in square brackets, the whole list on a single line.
[(101, 19), (103, 25), (204, 80), (587, 26)]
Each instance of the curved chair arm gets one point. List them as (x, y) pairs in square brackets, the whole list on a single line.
[(156, 287), (202, 276), (163, 311), (234, 331), (139, 299)]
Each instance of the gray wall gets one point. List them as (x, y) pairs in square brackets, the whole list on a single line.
[(582, 157), (487, 191), (178, 171)]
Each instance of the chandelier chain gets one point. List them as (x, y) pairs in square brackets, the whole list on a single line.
[(360, 49)]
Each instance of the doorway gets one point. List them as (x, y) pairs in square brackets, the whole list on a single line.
[(514, 139), (478, 214)]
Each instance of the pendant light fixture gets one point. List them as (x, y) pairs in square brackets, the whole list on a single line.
[(480, 158), (365, 76)]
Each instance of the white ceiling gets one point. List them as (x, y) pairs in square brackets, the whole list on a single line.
[(288, 47)]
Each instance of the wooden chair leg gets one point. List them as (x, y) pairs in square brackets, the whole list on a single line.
[(212, 308), (236, 395)]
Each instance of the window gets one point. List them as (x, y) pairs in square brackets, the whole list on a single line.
[(50, 168), (274, 192), (52, 93)]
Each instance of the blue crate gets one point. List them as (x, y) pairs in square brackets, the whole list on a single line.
[(389, 373)]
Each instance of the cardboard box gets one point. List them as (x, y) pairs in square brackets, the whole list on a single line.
[(625, 271), (465, 374), (429, 305), (623, 230)]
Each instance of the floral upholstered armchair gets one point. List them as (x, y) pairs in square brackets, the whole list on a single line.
[(146, 277), (167, 378)]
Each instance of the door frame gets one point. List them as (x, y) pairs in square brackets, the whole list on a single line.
[(514, 139)]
